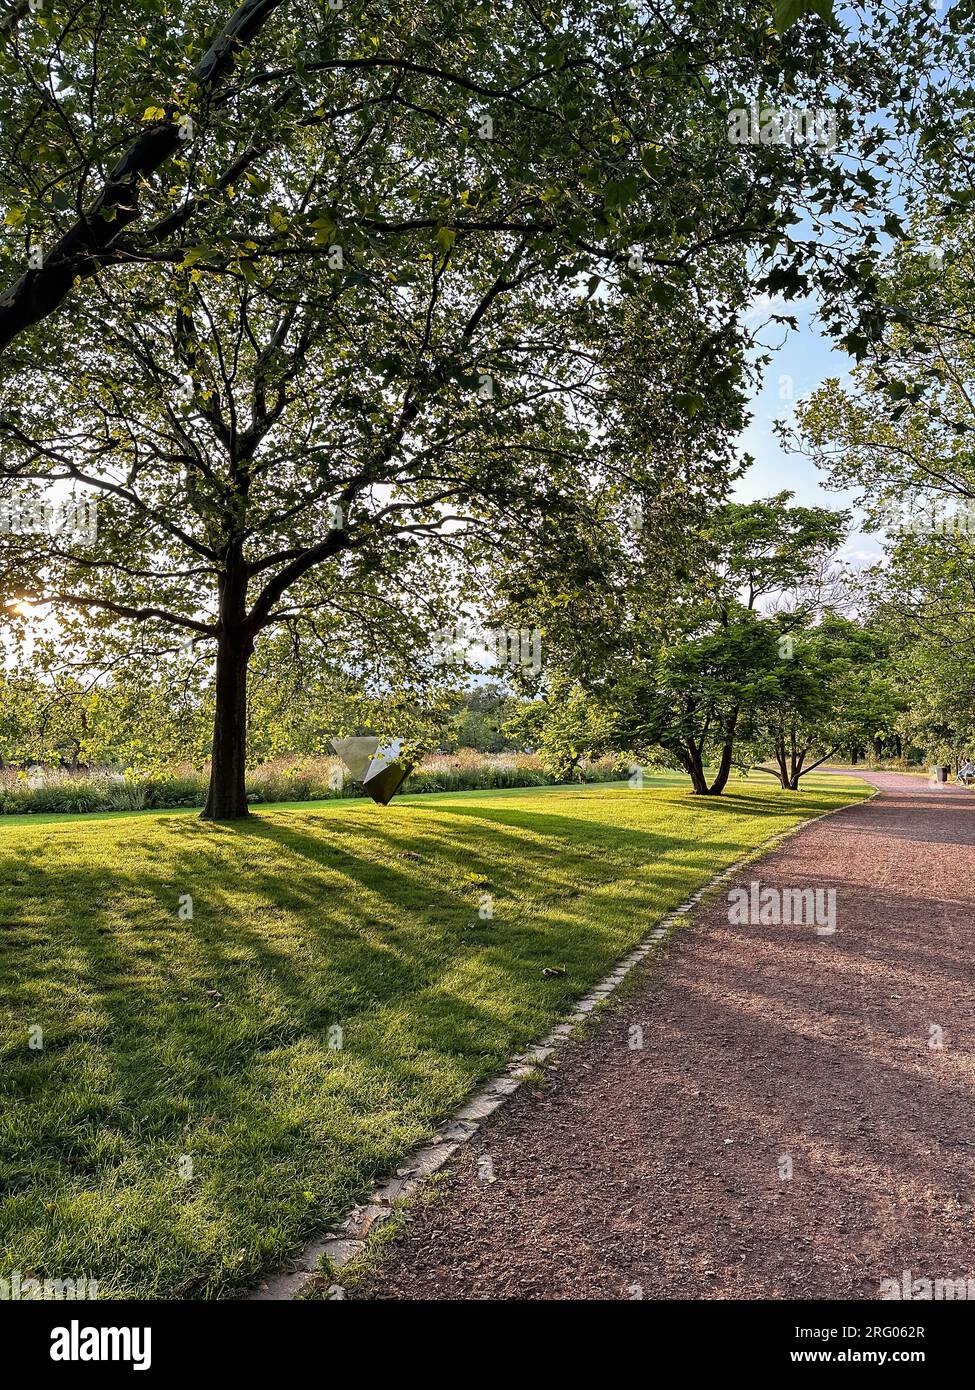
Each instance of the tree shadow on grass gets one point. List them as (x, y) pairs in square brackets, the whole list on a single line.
[(208, 1036)]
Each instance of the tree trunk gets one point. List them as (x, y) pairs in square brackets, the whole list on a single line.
[(798, 757), (227, 799), (690, 759), (690, 755), (780, 761), (699, 784), (724, 768), (727, 754)]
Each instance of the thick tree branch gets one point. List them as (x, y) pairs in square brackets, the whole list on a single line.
[(123, 610), (90, 242)]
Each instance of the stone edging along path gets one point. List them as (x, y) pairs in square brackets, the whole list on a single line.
[(348, 1241)]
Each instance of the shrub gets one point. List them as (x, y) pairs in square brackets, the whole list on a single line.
[(303, 779)]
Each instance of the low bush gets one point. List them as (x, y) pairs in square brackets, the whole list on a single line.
[(53, 790)]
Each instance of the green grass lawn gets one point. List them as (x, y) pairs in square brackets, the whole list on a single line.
[(167, 1040)]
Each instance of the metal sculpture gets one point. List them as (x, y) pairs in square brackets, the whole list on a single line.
[(375, 766)]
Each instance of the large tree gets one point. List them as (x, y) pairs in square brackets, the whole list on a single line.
[(901, 435), (341, 304), (128, 129)]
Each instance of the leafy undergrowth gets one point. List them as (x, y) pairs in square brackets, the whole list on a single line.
[(193, 1115), (54, 791)]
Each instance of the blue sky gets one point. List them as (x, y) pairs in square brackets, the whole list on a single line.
[(804, 359)]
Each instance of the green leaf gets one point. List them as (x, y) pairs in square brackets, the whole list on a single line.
[(787, 12), (325, 230)]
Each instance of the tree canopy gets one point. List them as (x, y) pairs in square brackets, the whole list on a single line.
[(332, 306)]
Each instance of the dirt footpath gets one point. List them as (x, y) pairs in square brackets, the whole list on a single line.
[(799, 1121)]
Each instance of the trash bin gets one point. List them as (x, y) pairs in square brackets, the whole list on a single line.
[(940, 774)]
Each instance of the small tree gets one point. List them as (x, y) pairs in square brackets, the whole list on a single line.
[(564, 727), (679, 651), (833, 693)]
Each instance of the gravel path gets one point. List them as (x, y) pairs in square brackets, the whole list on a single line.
[(788, 1129)]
